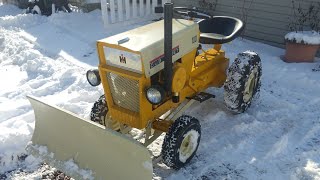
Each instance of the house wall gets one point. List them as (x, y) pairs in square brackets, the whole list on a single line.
[(266, 20)]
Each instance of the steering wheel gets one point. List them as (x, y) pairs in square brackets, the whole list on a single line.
[(192, 13)]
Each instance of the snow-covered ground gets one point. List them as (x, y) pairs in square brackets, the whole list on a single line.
[(277, 138)]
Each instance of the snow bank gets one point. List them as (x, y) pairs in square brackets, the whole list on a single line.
[(304, 37), (9, 10), (25, 70)]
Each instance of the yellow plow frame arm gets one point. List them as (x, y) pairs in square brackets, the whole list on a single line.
[(108, 154)]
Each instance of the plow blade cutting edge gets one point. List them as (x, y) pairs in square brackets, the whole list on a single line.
[(108, 154)]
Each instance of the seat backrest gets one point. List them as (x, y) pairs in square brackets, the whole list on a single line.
[(228, 28)]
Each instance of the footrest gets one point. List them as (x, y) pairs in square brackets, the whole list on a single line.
[(202, 96)]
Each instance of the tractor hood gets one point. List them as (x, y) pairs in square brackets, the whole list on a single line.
[(145, 44)]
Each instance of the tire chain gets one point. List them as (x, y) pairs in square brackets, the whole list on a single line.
[(98, 110), (170, 140), (234, 86)]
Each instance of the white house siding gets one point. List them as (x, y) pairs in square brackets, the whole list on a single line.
[(267, 20)]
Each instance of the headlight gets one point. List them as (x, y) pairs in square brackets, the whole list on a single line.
[(155, 94), (93, 77)]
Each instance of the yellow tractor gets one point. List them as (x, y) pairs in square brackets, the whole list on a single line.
[(150, 76)]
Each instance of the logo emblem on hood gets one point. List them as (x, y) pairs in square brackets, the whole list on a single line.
[(122, 59)]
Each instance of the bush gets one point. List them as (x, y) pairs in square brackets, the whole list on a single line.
[(305, 19)]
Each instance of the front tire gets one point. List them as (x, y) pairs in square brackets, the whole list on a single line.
[(99, 114), (181, 142), (243, 81)]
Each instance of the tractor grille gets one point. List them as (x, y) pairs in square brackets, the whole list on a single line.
[(124, 91)]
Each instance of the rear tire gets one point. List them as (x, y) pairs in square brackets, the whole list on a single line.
[(99, 114), (243, 81), (36, 10), (181, 142)]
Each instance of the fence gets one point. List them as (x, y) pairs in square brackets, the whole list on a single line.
[(127, 11)]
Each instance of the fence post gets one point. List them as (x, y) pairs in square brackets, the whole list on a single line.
[(148, 7), (120, 10), (112, 11), (154, 4), (104, 11), (53, 8), (127, 6), (134, 8), (141, 8)]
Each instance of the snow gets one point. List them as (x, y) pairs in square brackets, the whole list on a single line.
[(277, 138), (313, 168), (147, 165), (304, 37), (69, 166)]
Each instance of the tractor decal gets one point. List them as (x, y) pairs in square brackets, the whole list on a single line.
[(160, 58), (123, 59)]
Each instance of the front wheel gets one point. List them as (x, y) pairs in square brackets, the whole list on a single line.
[(99, 114), (181, 142), (243, 81)]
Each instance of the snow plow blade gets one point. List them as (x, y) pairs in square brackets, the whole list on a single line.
[(64, 136)]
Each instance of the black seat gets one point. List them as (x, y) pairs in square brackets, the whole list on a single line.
[(219, 29)]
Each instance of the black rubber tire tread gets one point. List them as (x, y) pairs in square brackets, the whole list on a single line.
[(99, 110), (173, 140), (234, 86)]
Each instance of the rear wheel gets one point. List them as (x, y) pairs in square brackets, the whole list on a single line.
[(99, 114), (243, 81), (181, 142), (36, 10)]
